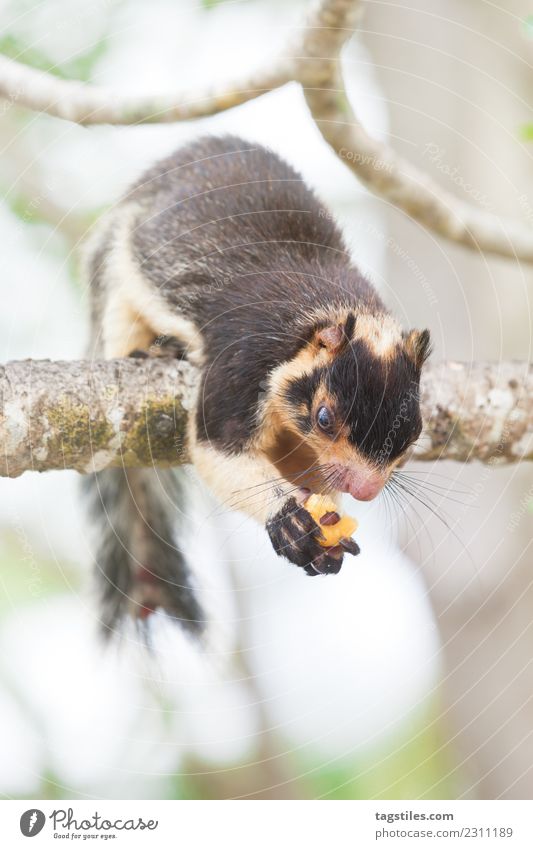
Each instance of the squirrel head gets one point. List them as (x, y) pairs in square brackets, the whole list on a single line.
[(350, 397)]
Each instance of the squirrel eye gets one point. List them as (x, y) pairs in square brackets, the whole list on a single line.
[(324, 418)]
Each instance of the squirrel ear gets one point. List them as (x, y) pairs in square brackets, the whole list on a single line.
[(418, 346), (331, 338)]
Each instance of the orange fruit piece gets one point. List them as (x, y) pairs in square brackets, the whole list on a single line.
[(334, 526)]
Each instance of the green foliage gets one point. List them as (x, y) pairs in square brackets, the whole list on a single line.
[(211, 4), (527, 132), (411, 765), (25, 576), (80, 67)]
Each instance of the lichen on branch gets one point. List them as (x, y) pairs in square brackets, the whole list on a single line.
[(90, 415)]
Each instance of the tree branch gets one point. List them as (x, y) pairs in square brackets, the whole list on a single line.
[(83, 103), (477, 411), (377, 165), (90, 415), (313, 59)]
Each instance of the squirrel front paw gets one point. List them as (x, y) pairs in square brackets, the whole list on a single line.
[(295, 535)]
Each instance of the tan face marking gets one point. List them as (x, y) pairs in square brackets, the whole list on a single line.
[(297, 455), (380, 333), (277, 416)]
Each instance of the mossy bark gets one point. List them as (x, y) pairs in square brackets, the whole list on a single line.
[(91, 415)]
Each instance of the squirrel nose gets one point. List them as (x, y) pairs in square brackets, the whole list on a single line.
[(364, 484)]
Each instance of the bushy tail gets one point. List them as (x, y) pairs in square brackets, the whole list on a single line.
[(140, 568)]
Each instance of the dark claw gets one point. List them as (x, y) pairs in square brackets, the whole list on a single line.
[(350, 546), (328, 563), (319, 566)]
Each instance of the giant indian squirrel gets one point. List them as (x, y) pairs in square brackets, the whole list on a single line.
[(220, 253)]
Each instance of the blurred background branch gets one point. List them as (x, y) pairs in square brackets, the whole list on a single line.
[(313, 60)]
